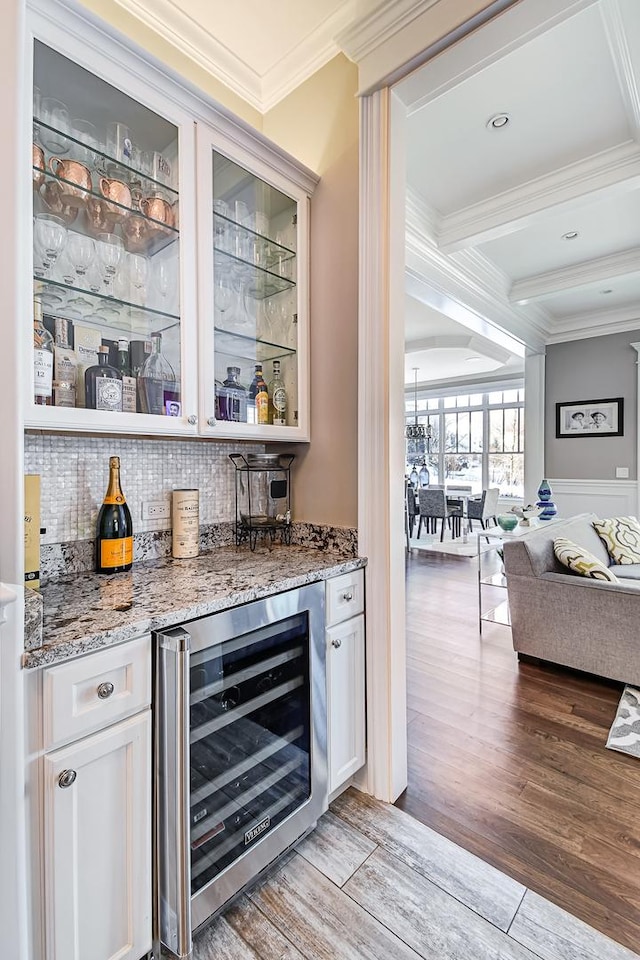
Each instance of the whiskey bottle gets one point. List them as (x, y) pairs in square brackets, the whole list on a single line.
[(128, 382), (277, 398), (42, 358), (65, 366), (114, 530), (103, 384), (257, 406)]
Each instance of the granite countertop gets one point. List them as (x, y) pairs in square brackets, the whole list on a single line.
[(87, 612)]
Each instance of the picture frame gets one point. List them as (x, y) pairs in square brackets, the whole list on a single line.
[(590, 418)]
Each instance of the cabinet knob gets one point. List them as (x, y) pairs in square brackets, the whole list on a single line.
[(105, 690), (192, 419), (336, 643), (348, 596), (66, 778), (211, 421)]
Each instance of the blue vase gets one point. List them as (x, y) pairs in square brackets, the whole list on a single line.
[(544, 500)]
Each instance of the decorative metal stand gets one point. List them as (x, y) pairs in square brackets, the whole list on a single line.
[(263, 497)]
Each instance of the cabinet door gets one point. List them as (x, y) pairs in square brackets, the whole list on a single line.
[(253, 275), (113, 246), (345, 700), (98, 845)]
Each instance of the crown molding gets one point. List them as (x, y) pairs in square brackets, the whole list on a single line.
[(614, 170), (363, 37), (616, 34), (261, 91), (545, 285), (582, 326), (420, 216)]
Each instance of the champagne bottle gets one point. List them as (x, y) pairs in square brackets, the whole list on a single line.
[(277, 398), (114, 530)]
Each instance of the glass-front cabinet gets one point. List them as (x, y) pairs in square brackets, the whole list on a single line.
[(163, 302), (109, 350), (252, 248)]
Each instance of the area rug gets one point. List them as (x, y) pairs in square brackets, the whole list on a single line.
[(625, 729), (455, 548)]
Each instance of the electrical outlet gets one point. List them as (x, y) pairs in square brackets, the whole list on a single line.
[(622, 473), (156, 510)]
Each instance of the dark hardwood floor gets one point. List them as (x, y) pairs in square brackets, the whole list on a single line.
[(509, 760)]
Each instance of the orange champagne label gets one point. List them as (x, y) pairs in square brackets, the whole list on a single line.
[(116, 553), (114, 498)]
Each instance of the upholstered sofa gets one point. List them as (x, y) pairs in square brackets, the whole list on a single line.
[(564, 618)]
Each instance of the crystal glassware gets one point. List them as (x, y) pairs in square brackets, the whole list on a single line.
[(157, 383), (55, 114), (81, 250), (49, 237), (85, 132), (109, 249), (138, 274)]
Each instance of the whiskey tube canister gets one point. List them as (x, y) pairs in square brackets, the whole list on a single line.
[(185, 513)]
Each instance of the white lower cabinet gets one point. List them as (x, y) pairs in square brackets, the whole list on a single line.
[(98, 845), (97, 805), (346, 712)]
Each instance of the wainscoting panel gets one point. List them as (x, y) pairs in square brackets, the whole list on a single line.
[(606, 498)]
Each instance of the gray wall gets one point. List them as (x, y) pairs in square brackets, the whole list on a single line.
[(591, 369)]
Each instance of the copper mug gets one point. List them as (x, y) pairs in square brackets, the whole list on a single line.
[(98, 220), (135, 231), (158, 209), (120, 193), (77, 180), (37, 162), (52, 199)]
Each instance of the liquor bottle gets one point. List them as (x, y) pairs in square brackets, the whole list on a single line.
[(114, 531), (128, 382), (257, 405), (42, 358), (157, 384), (103, 384), (277, 398), (65, 366), (232, 398)]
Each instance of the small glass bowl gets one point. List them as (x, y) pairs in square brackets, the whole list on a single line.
[(507, 521)]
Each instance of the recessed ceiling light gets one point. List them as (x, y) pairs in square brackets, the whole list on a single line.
[(571, 235), (608, 290), (498, 121)]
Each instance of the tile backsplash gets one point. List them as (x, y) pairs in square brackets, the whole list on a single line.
[(74, 474)]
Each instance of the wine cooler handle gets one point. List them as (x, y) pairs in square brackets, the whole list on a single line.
[(172, 789)]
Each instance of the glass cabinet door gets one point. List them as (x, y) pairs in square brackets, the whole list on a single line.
[(108, 344), (254, 378)]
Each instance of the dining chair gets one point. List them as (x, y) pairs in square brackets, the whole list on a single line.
[(484, 508), (433, 507), (411, 508)]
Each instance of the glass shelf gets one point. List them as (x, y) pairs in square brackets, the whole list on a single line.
[(160, 234), (274, 252), (499, 614), (239, 346), (261, 283), (111, 166), (104, 311)]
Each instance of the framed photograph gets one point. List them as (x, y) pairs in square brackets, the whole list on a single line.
[(173, 408), (590, 418)]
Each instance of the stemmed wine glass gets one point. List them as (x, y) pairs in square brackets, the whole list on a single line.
[(138, 274), (110, 249), (81, 251), (49, 237)]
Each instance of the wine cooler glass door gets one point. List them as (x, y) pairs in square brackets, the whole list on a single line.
[(250, 742)]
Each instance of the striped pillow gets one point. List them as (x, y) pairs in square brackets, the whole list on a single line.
[(581, 561), (621, 537)]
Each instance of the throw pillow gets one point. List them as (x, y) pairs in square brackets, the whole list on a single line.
[(621, 537), (581, 561)]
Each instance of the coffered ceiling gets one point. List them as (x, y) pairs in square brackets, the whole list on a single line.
[(534, 223)]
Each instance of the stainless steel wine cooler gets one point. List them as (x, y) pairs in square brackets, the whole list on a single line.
[(241, 753)]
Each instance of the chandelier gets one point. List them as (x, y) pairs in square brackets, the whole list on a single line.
[(415, 430)]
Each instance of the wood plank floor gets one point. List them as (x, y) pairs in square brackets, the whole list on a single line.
[(372, 882), (509, 760)]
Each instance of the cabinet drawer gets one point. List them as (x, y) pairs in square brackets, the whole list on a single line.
[(95, 691), (345, 596)]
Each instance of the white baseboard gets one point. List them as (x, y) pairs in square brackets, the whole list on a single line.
[(606, 498)]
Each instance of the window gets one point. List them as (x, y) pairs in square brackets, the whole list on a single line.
[(478, 439)]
